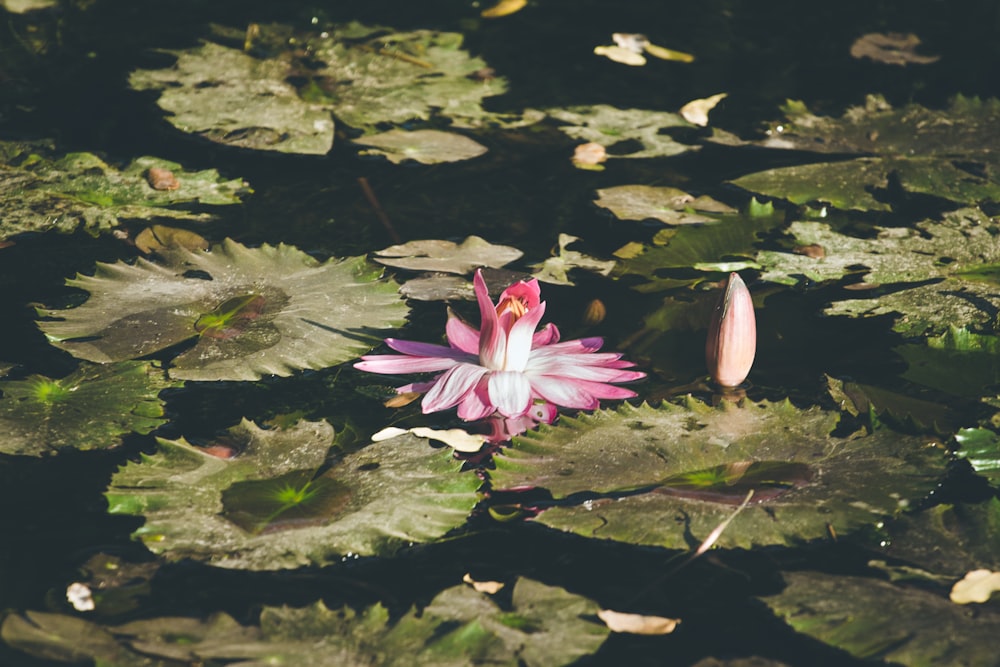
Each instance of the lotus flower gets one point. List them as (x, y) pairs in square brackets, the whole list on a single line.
[(507, 368), (732, 335)]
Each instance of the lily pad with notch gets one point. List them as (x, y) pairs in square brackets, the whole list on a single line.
[(668, 476), (608, 125), (266, 310), (275, 505)]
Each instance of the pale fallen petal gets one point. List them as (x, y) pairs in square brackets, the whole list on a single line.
[(637, 624), (456, 438), (80, 597), (620, 55), (976, 586), (668, 54), (696, 111), (489, 587), (388, 433)]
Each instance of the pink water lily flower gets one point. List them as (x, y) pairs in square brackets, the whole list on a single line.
[(507, 367)]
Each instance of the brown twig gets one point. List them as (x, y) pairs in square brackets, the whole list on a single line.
[(379, 213)]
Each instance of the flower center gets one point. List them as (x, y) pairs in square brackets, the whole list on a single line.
[(515, 306)]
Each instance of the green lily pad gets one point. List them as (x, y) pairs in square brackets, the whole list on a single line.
[(944, 270), (267, 310), (949, 539), (880, 403), (45, 192), (677, 471), (981, 448), (555, 270), (543, 626), (271, 506), (878, 620), (608, 125), (365, 76), (722, 247), (92, 408), (668, 205), (949, 154), (423, 146), (447, 256)]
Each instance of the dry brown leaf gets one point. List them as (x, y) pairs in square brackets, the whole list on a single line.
[(159, 238), (637, 624), (503, 8)]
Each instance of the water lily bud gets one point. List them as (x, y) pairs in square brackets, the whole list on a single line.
[(732, 335)]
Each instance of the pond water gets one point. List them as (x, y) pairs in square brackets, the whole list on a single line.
[(862, 219)]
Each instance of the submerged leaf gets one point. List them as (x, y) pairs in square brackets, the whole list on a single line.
[(267, 310), (892, 48), (676, 471), (269, 507), (92, 408), (873, 619), (43, 191), (423, 146)]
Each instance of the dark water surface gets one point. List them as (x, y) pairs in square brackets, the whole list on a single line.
[(522, 193)]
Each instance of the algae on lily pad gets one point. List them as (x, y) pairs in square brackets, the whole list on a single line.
[(608, 125), (92, 408), (543, 626), (937, 274), (674, 472), (423, 146), (42, 192), (266, 310), (668, 205), (274, 506), (948, 153), (364, 76), (878, 620)]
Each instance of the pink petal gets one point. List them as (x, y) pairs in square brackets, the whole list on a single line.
[(569, 394), (510, 392), (601, 390), (452, 387), (574, 371), (520, 337), (492, 338), (547, 335), (418, 349), (476, 404), (418, 387), (462, 336), (391, 364), (579, 346), (526, 291)]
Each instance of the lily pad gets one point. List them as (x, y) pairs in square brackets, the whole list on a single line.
[(674, 472), (544, 626), (942, 271), (668, 205), (608, 125), (958, 361), (267, 310), (365, 76), (948, 153), (423, 146), (92, 408), (272, 507), (447, 256), (43, 192), (949, 539), (874, 619), (981, 448)]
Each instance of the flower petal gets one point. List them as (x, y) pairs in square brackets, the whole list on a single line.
[(567, 393), (510, 392), (418, 349), (527, 292), (452, 387), (547, 335), (492, 338), (520, 337), (461, 335), (392, 364), (476, 404)]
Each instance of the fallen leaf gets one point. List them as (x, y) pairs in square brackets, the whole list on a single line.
[(696, 111), (590, 156), (637, 624), (668, 54), (160, 238), (456, 438), (976, 586), (555, 270)]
